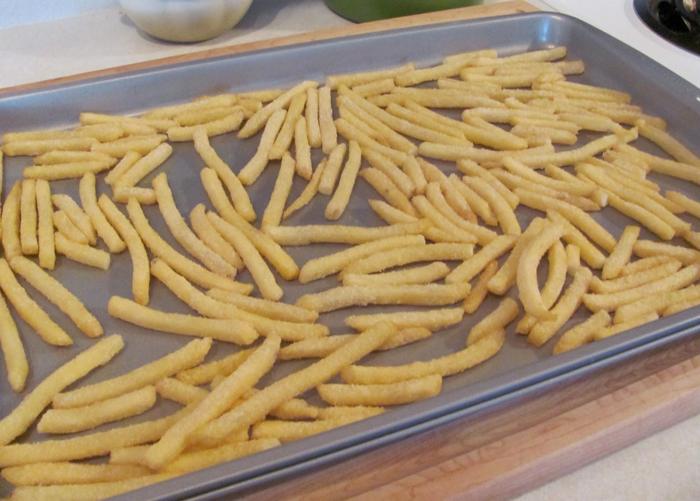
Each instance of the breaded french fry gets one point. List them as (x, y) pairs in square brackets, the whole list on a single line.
[(430, 319), (28, 218), (81, 253), (630, 281), (391, 170), (302, 149), (569, 302), (362, 77), (286, 132), (313, 130), (88, 198), (589, 252), (76, 215), (402, 392), (689, 205), (495, 321), (353, 295), (38, 399), (389, 214), (33, 147), (239, 195), (668, 143), (278, 198), (329, 233), (208, 234), (583, 333), (504, 212), (256, 165), (93, 415), (479, 291), (65, 227), (251, 257), (215, 403), (332, 168), (617, 328), (648, 248), (47, 252), (140, 144), (123, 166), (55, 292), (206, 115), (573, 256), (264, 307), (217, 127), (144, 166), (87, 491), (644, 264), (474, 265), (145, 196), (340, 412), (229, 331), (308, 193), (411, 276), (385, 187), (205, 373), (71, 473), (351, 132), (10, 222), (341, 196), (13, 352), (177, 391), (256, 407)]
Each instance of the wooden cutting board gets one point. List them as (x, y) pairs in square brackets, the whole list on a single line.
[(506, 451)]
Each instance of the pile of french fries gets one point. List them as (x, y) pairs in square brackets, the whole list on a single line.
[(461, 210)]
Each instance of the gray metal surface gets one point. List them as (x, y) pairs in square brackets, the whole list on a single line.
[(517, 368)]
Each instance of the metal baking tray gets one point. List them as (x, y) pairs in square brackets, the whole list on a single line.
[(518, 369)]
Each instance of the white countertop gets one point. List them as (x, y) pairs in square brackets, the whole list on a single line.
[(41, 40)]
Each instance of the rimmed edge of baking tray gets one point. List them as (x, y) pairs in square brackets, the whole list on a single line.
[(353, 439)]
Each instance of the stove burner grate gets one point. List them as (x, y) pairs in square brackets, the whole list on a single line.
[(666, 19)]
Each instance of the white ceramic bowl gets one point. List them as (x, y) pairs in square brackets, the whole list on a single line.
[(185, 20)]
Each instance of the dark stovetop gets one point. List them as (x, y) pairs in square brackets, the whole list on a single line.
[(666, 19)]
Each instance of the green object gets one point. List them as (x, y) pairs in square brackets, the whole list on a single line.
[(371, 10)]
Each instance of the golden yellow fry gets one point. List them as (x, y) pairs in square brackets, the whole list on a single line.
[(430, 319), (341, 197), (264, 95), (668, 143), (495, 321), (239, 195), (93, 415), (89, 445), (302, 149), (504, 212), (589, 253), (453, 363), (144, 166), (259, 119), (583, 333), (47, 252), (453, 152), (271, 250), (251, 257), (474, 265), (444, 98), (410, 276), (648, 248), (217, 127), (655, 303), (644, 264), (203, 228), (517, 167), (288, 431), (101, 132), (662, 165), (259, 405), (349, 412), (104, 229), (177, 391), (264, 307), (402, 392), (278, 198), (308, 193), (205, 373), (569, 302), (229, 330), (97, 490), (207, 115), (256, 165), (528, 290), (415, 173), (374, 88), (649, 219), (688, 204), (680, 306), (215, 403), (197, 460), (573, 256), (140, 144), (389, 214), (385, 187), (199, 104), (33, 147), (66, 227), (81, 253), (472, 168), (70, 473), (620, 256), (351, 132), (332, 169), (441, 205), (311, 115), (76, 215), (362, 295), (304, 235), (359, 78), (38, 399), (286, 132), (145, 196), (631, 281), (10, 223), (391, 170), (28, 218), (13, 352), (139, 129), (625, 326), (58, 295), (324, 346)]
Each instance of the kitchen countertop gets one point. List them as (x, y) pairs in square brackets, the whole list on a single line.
[(88, 35)]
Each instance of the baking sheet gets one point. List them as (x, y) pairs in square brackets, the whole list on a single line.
[(519, 366)]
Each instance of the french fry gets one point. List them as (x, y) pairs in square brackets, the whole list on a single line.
[(569, 302), (199, 104), (390, 214), (445, 98), (159, 247), (215, 403), (614, 300), (353, 295), (621, 254), (98, 490), (239, 195), (256, 165), (307, 234), (227, 330), (649, 219), (70, 473), (573, 256), (474, 265), (437, 200), (494, 322), (453, 363), (206, 115), (144, 166), (38, 399), (302, 149), (264, 307), (145, 196), (38, 146), (384, 186), (251, 257), (655, 303), (76, 215), (644, 264), (341, 196), (430, 319), (92, 415), (340, 412), (177, 391), (205, 373), (688, 204), (583, 333), (278, 258), (324, 346), (28, 218), (359, 78), (407, 254), (11, 222), (667, 143), (101, 132), (617, 328), (45, 239), (311, 114), (391, 170), (104, 229), (504, 213), (264, 95), (589, 252), (351, 132), (197, 460), (479, 291), (264, 115), (472, 168), (375, 88), (411, 276), (630, 281), (66, 227), (278, 198), (402, 392), (661, 165), (332, 168), (680, 306), (140, 144), (256, 407), (287, 431), (81, 253), (505, 277), (286, 132), (308, 193), (519, 168), (204, 230), (649, 248), (217, 127), (13, 352)]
